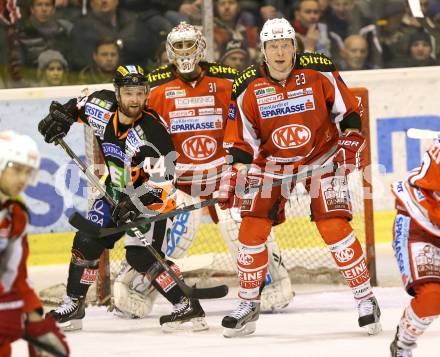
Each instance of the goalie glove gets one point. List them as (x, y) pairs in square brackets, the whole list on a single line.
[(56, 124), (350, 146)]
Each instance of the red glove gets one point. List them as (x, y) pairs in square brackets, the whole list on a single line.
[(228, 183), (11, 317), (46, 331), (350, 146)]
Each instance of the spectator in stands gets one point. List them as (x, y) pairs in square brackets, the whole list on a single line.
[(313, 34), (191, 11), (105, 62), (235, 55), (105, 19), (42, 31), (354, 54), (161, 56), (233, 24), (420, 50), (396, 29), (52, 69), (70, 9)]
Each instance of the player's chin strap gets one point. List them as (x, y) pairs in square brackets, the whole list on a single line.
[(206, 293), (81, 223)]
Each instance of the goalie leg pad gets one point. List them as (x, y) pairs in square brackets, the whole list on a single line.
[(133, 293), (184, 227), (277, 292)]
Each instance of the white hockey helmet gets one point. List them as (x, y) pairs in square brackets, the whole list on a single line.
[(277, 29), (20, 149), (186, 58)]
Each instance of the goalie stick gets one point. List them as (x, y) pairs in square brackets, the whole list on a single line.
[(414, 133), (84, 225), (197, 293)]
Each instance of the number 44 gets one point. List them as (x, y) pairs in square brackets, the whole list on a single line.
[(157, 168)]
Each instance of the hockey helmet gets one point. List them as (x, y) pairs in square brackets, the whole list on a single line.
[(129, 75), (20, 149), (186, 47), (277, 29)]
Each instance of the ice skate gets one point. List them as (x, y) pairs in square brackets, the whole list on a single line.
[(242, 321), (400, 349), (70, 313), (187, 310), (369, 315)]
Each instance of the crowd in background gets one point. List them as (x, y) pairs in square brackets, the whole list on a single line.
[(59, 42)]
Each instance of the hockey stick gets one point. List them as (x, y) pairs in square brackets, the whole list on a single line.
[(84, 225), (414, 133), (202, 293), (44, 346)]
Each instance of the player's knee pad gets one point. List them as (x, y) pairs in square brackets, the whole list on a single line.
[(254, 230), (333, 230), (87, 247), (427, 300), (184, 227), (133, 293), (139, 258)]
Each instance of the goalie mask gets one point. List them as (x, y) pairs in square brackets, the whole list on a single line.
[(277, 29), (186, 47), (19, 149)]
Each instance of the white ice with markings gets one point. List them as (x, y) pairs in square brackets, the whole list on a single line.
[(315, 324)]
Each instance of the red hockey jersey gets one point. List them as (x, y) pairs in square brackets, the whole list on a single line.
[(14, 250)]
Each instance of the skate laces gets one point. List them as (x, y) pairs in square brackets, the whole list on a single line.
[(366, 307), (67, 307), (181, 306), (244, 308)]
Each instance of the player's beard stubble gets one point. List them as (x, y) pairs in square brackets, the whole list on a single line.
[(131, 110)]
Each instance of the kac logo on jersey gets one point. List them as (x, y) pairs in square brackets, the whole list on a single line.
[(291, 136), (200, 147), (287, 107)]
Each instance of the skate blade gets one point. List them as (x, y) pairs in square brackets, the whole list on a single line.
[(71, 325), (245, 330), (195, 325), (373, 329)]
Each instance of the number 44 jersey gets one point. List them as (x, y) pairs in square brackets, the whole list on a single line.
[(196, 114)]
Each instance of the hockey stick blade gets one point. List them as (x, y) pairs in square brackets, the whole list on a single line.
[(414, 133), (82, 224), (216, 292), (43, 346)]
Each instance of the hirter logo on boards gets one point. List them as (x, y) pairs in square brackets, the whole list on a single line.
[(291, 136), (200, 147)]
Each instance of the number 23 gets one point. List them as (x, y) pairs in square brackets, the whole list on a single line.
[(300, 79)]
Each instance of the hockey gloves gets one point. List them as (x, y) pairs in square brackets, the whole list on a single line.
[(127, 210), (11, 317), (46, 331), (228, 183), (350, 146), (56, 125)]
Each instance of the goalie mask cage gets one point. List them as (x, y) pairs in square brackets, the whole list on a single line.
[(303, 251)]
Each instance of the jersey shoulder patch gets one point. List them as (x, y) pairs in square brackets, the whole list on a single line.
[(316, 61), (218, 70), (243, 79), (103, 99), (161, 75)]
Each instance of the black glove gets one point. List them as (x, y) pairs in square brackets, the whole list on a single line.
[(126, 209), (57, 124)]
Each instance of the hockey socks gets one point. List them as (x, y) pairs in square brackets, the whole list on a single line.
[(252, 265)]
